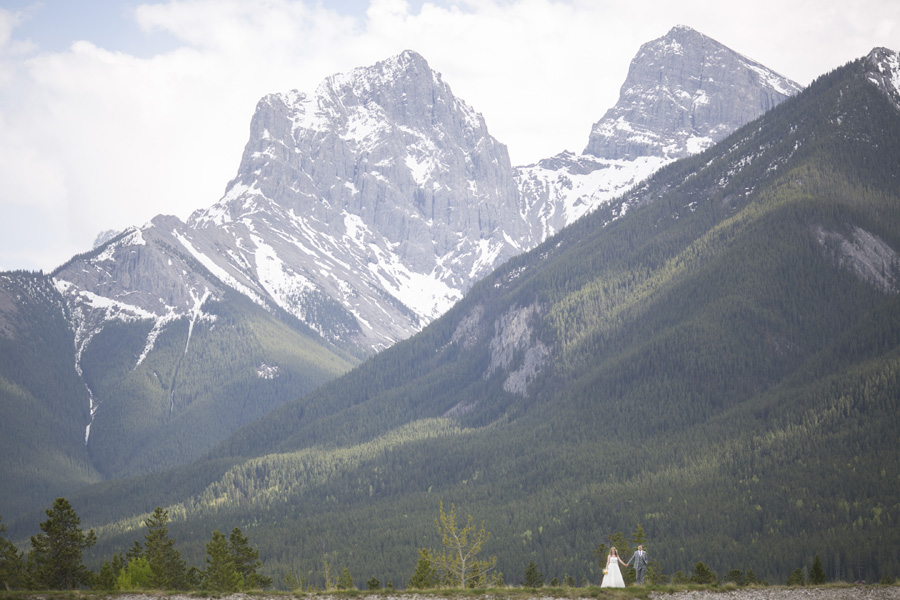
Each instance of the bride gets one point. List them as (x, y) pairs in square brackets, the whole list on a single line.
[(612, 576)]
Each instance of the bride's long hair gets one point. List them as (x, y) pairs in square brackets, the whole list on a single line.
[(614, 552)]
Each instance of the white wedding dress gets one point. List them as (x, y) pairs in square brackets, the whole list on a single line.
[(613, 577)]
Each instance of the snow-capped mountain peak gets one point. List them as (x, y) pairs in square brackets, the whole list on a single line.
[(367, 207), (683, 93), (884, 71)]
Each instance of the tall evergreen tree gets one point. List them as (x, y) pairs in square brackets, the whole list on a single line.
[(12, 563), (168, 570), (221, 574), (638, 538), (56, 553), (817, 572), (246, 561)]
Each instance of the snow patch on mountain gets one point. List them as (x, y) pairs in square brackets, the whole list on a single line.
[(218, 271), (560, 190), (425, 294)]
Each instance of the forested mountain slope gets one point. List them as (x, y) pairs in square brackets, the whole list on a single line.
[(715, 356), (42, 439), (81, 405)]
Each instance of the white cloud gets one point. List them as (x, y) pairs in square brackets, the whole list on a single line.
[(92, 138)]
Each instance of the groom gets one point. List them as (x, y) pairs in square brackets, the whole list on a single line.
[(640, 564)]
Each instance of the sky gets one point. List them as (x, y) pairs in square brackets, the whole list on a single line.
[(115, 111)]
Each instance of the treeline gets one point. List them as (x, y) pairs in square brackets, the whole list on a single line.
[(232, 565), (55, 561)]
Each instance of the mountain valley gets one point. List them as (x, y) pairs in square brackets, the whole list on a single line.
[(695, 330)]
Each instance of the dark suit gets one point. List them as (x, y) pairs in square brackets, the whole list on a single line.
[(640, 565)]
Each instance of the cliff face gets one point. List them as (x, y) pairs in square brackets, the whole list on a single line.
[(708, 91), (388, 195)]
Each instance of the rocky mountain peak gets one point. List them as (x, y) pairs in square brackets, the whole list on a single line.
[(684, 92), (386, 177), (883, 69), (367, 207)]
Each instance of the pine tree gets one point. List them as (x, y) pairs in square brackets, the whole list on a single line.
[(221, 574), (345, 581), (136, 551), (736, 576), (638, 538), (533, 577), (703, 574), (12, 563), (817, 573), (168, 570), (246, 561), (56, 553), (109, 573), (796, 578), (600, 554), (106, 578), (618, 541), (425, 576)]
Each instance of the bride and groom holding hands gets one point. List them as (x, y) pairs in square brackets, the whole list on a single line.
[(612, 575)]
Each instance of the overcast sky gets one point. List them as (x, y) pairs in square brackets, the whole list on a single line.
[(114, 111)]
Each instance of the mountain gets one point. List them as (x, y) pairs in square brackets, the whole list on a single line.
[(710, 91), (714, 356), (360, 213), (357, 215), (94, 388), (45, 404), (683, 93), (388, 195)]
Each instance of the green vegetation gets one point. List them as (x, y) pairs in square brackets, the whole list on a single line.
[(55, 559), (232, 565), (45, 405), (176, 404), (722, 381), (159, 412)]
